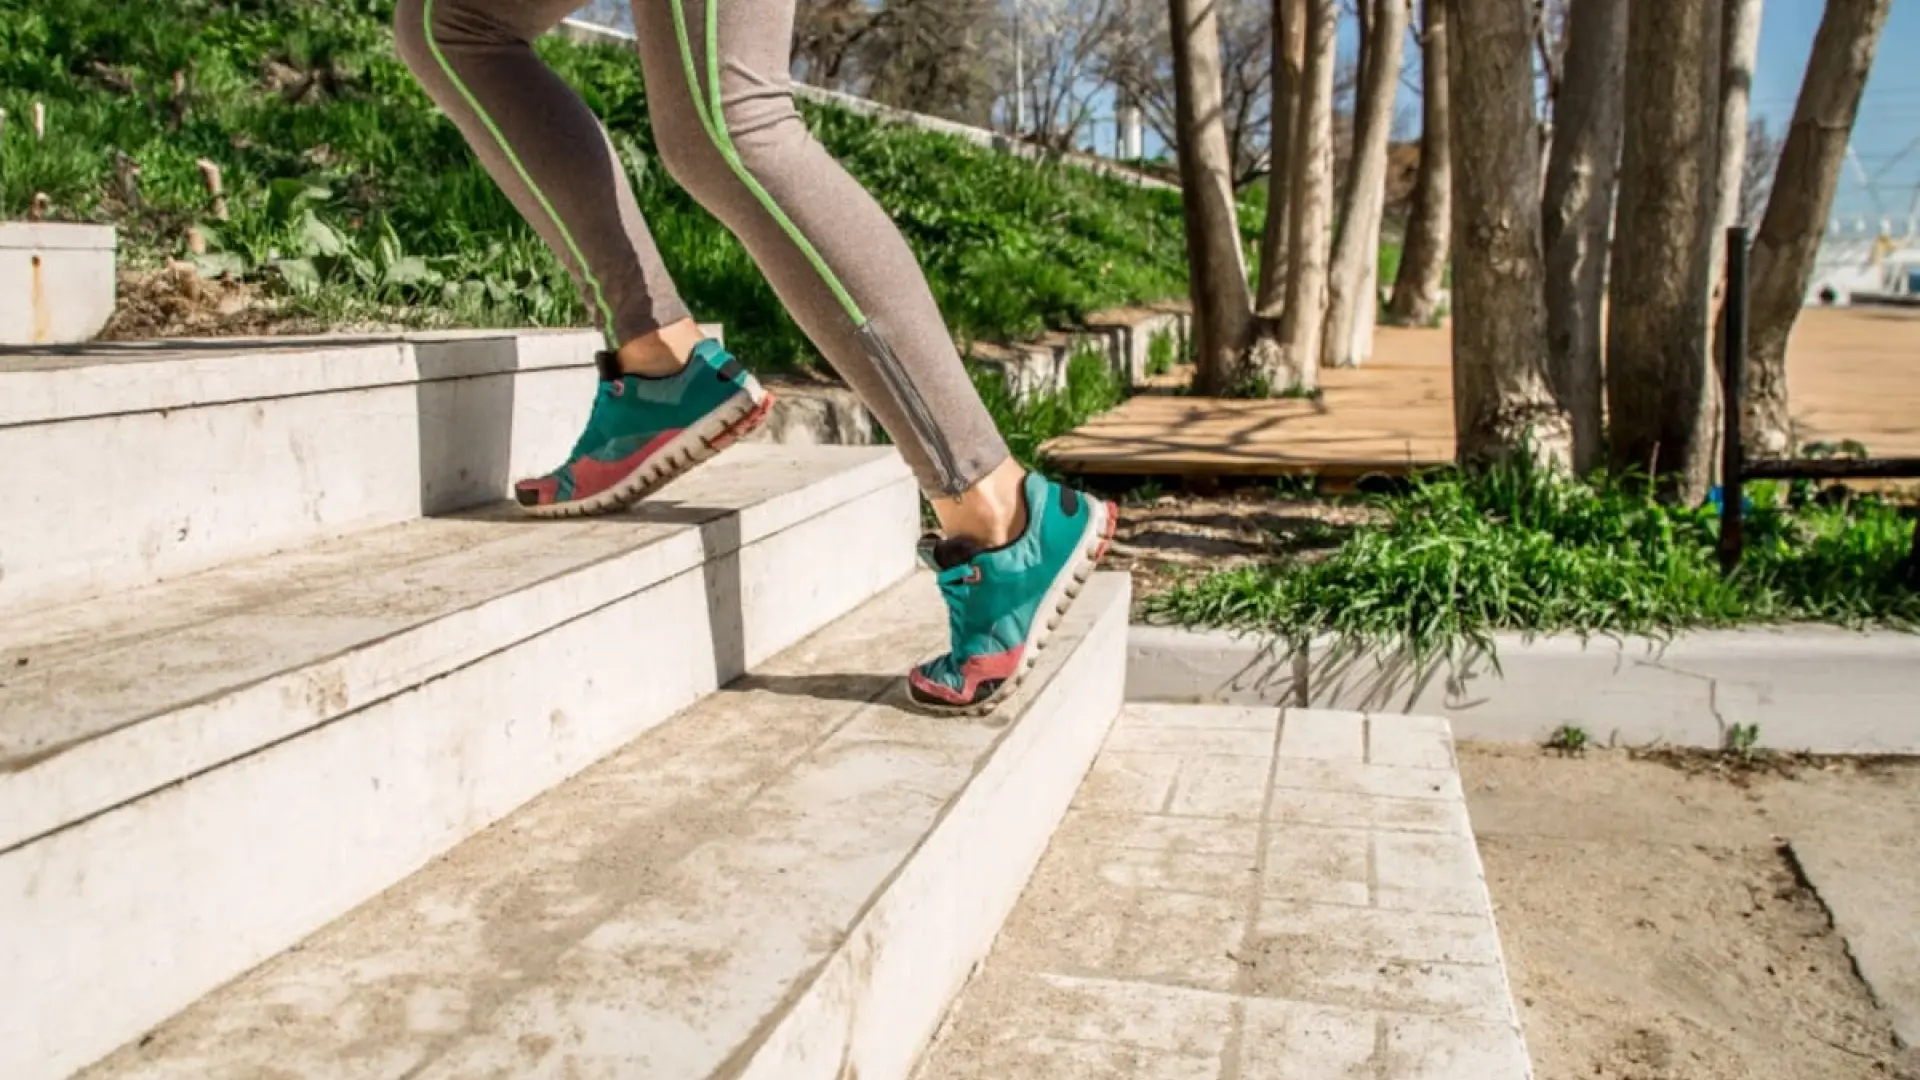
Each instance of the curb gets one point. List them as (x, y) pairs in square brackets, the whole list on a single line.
[(1818, 689)]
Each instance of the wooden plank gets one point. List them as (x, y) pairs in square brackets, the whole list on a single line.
[(1855, 374)]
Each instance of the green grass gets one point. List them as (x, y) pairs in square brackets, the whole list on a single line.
[(1458, 557), (361, 200)]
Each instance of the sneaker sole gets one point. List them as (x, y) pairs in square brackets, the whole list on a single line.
[(1054, 606), (737, 418)]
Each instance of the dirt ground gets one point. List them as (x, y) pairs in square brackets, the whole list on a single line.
[(1165, 537), (1656, 927)]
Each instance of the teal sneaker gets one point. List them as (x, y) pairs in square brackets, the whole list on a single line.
[(1003, 603), (645, 431)]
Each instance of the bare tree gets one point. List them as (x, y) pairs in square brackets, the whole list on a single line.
[(1803, 186), (1311, 210), (1289, 60), (1348, 338), (1756, 171), (931, 57), (1423, 259), (1551, 22), (1659, 396), (1061, 46), (905, 53), (1216, 272), (1577, 212), (1502, 404), (1135, 59), (1739, 47)]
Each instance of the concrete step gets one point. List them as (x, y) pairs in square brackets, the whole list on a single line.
[(136, 462), (788, 881), (195, 775), (1244, 894)]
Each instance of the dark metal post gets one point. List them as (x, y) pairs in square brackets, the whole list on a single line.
[(1733, 365)]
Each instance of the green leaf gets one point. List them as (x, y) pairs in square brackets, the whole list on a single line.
[(409, 270), (300, 276), (287, 196), (316, 237)]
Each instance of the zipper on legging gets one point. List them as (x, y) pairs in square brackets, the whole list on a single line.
[(915, 406), (713, 118)]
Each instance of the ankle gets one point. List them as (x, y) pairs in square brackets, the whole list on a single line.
[(663, 352), (992, 513)]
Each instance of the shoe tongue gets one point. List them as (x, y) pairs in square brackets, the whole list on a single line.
[(608, 362)]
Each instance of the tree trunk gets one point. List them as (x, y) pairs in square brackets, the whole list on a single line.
[(1289, 56), (1501, 401), (1795, 222), (1361, 209), (1578, 212), (1423, 261), (1312, 208), (1216, 268), (1659, 396), (1739, 48)]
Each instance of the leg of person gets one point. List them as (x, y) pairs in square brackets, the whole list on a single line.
[(668, 399), (1016, 547)]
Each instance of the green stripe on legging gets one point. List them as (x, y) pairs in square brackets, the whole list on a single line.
[(566, 237), (713, 118)]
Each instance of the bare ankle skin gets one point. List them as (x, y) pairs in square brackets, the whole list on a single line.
[(993, 512), (663, 352)]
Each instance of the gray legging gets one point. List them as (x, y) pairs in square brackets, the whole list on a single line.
[(827, 248)]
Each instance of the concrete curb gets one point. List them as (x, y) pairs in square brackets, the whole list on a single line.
[(1811, 688)]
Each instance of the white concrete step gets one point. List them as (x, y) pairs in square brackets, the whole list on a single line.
[(135, 462), (788, 881), (1243, 894), (195, 775)]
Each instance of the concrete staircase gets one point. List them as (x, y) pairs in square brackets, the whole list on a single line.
[(318, 761)]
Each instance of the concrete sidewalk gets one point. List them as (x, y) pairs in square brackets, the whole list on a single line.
[(1236, 896)]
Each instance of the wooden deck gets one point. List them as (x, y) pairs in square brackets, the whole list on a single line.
[(1854, 374)]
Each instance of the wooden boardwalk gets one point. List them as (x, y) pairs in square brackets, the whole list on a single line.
[(1854, 374)]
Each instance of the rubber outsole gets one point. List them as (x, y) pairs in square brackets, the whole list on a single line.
[(719, 429), (1065, 590)]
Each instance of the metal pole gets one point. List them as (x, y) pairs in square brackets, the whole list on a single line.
[(1733, 364)]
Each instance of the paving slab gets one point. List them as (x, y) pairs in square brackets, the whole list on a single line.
[(1872, 890), (1241, 893)]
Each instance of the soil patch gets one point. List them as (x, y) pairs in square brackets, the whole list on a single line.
[(1655, 926)]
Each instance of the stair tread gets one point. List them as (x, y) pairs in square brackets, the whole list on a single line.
[(332, 626), (656, 914), (1234, 893)]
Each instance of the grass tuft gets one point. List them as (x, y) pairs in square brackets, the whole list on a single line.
[(1460, 556)]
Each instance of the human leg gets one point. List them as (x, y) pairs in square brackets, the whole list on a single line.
[(656, 414), (1016, 546)]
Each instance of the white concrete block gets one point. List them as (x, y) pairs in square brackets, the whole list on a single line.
[(232, 449), (58, 280), (105, 701), (280, 763), (789, 880), (1328, 736)]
